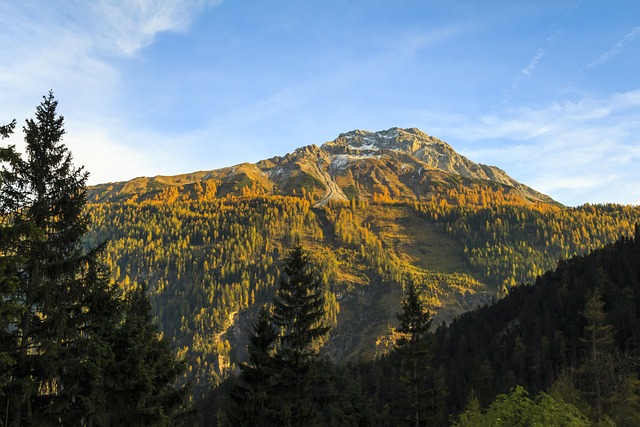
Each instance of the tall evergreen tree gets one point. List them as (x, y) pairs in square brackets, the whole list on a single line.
[(43, 222), (300, 315), (139, 381), (61, 315), (9, 310), (414, 348), (252, 394), (598, 364)]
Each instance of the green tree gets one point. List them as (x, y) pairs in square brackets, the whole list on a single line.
[(7, 130), (9, 309), (61, 315), (252, 394), (414, 348), (625, 402), (139, 381), (517, 409), (299, 313), (42, 226), (598, 364), (472, 414)]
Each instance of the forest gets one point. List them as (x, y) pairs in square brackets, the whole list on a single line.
[(75, 349), (562, 351), (199, 303), (210, 261)]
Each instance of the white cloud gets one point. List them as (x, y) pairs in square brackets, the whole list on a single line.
[(578, 152), (130, 25), (616, 49), (64, 42), (526, 71), (69, 46), (533, 63)]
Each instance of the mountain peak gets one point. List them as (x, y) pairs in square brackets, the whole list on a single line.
[(398, 164), (408, 140)]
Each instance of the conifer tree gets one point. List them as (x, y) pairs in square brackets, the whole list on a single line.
[(42, 225), (414, 348), (9, 310), (61, 315), (252, 394), (598, 337), (299, 313), (139, 382)]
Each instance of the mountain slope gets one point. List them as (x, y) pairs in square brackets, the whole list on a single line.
[(539, 332), (394, 165), (209, 243)]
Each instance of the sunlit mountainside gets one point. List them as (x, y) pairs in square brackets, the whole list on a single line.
[(373, 209), (393, 165)]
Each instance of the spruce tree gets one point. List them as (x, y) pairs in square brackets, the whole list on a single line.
[(414, 349), (139, 381), (597, 365), (42, 225), (62, 318), (9, 310), (252, 394), (300, 314)]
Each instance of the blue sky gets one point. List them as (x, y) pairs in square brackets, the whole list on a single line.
[(549, 91)]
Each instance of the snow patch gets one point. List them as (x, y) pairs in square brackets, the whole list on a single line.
[(369, 147), (341, 161), (390, 135)]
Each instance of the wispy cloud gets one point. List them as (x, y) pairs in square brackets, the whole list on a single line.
[(70, 46), (616, 49), (412, 41), (533, 63), (573, 150), (128, 26), (528, 70)]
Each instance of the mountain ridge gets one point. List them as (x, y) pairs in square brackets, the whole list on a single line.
[(396, 164)]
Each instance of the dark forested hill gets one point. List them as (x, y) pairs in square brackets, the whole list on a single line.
[(373, 209), (547, 335)]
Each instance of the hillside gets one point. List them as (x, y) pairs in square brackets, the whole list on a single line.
[(572, 338), (539, 335), (373, 209)]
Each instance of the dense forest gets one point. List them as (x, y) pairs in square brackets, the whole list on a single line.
[(562, 351), (219, 303), (211, 261)]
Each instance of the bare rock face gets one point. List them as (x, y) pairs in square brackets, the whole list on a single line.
[(430, 151), (397, 162)]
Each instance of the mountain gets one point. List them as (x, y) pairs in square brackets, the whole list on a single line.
[(373, 209), (396, 164)]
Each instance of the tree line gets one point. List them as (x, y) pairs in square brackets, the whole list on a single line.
[(208, 260)]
